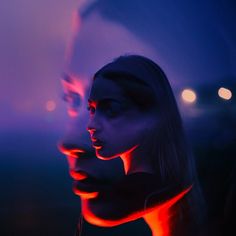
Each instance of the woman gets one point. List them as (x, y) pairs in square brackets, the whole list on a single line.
[(134, 116)]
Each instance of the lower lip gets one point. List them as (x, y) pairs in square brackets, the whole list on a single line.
[(84, 194), (97, 145), (78, 175), (85, 190)]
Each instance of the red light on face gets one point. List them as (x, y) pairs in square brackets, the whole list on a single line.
[(70, 151), (78, 175), (85, 195), (74, 84)]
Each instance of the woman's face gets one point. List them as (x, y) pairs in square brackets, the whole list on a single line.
[(116, 124)]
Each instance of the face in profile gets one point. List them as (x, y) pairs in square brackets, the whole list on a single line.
[(118, 127), (116, 124), (125, 120)]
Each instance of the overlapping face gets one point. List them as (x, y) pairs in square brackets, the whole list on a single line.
[(89, 173), (107, 194)]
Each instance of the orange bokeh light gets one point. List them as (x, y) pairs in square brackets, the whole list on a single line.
[(188, 95), (50, 105), (225, 93)]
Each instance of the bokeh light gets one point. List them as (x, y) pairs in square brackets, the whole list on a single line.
[(50, 105), (188, 95), (225, 93)]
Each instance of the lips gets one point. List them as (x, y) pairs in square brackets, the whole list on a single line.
[(71, 150), (97, 144), (78, 175), (89, 187)]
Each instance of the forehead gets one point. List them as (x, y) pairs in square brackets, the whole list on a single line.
[(75, 83), (105, 88)]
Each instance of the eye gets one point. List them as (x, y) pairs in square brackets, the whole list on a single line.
[(91, 109), (73, 98), (111, 108)]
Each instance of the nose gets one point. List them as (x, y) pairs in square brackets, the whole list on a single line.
[(78, 158), (76, 142), (94, 125)]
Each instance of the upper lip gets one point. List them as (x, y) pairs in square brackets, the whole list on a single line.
[(95, 140), (73, 151)]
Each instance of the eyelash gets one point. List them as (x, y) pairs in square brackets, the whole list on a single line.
[(109, 110)]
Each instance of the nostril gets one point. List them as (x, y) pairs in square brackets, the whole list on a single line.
[(91, 130)]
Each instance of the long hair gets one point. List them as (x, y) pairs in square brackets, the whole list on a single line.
[(145, 83)]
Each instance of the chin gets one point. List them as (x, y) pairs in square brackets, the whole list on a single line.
[(104, 216), (105, 156)]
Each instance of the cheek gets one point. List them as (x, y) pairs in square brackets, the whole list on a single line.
[(127, 135)]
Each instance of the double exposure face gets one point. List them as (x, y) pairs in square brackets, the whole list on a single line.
[(90, 174)]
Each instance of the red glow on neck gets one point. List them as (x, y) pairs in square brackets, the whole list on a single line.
[(158, 217), (72, 112), (126, 158)]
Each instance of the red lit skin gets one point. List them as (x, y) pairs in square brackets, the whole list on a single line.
[(157, 217), (76, 141)]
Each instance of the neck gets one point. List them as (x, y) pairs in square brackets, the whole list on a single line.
[(162, 219), (135, 160), (159, 222)]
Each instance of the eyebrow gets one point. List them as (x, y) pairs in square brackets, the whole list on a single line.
[(66, 77), (90, 101), (67, 82), (71, 85)]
